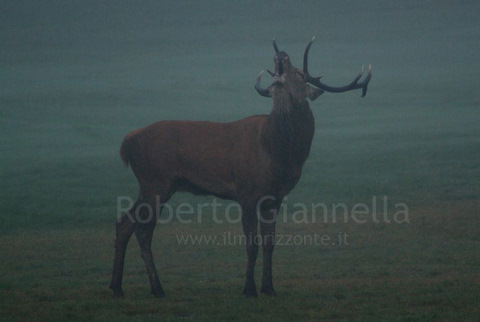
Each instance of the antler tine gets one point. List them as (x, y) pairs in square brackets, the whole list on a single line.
[(265, 92), (353, 85), (366, 80), (275, 46), (305, 56)]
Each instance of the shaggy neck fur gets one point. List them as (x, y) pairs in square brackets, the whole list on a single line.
[(289, 131)]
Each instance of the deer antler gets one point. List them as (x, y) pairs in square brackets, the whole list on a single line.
[(353, 85), (275, 46), (265, 92)]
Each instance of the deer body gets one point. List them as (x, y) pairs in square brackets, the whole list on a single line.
[(221, 159), (256, 161)]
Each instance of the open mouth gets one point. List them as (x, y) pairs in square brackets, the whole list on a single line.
[(280, 59), (278, 70)]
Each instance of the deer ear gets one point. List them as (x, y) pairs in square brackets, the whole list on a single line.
[(314, 93)]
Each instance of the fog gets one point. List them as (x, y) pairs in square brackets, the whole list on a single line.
[(76, 76)]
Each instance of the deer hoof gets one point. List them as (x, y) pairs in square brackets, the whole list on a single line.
[(269, 291), (250, 292), (158, 294), (118, 294)]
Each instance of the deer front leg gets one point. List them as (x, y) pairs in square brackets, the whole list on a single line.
[(267, 229), (249, 221), (268, 242)]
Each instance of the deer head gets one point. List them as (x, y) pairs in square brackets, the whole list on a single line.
[(294, 82)]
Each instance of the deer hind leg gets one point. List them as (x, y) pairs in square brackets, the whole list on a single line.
[(249, 221), (124, 229), (144, 234)]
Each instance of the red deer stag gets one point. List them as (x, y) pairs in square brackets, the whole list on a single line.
[(255, 161)]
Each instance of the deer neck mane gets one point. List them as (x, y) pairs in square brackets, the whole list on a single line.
[(289, 132)]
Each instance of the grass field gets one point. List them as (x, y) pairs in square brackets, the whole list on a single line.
[(77, 77), (427, 270)]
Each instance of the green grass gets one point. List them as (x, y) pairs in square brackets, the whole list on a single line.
[(425, 270)]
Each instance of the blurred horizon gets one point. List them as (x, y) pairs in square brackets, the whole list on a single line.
[(77, 76)]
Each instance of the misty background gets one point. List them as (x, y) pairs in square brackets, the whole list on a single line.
[(76, 76)]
